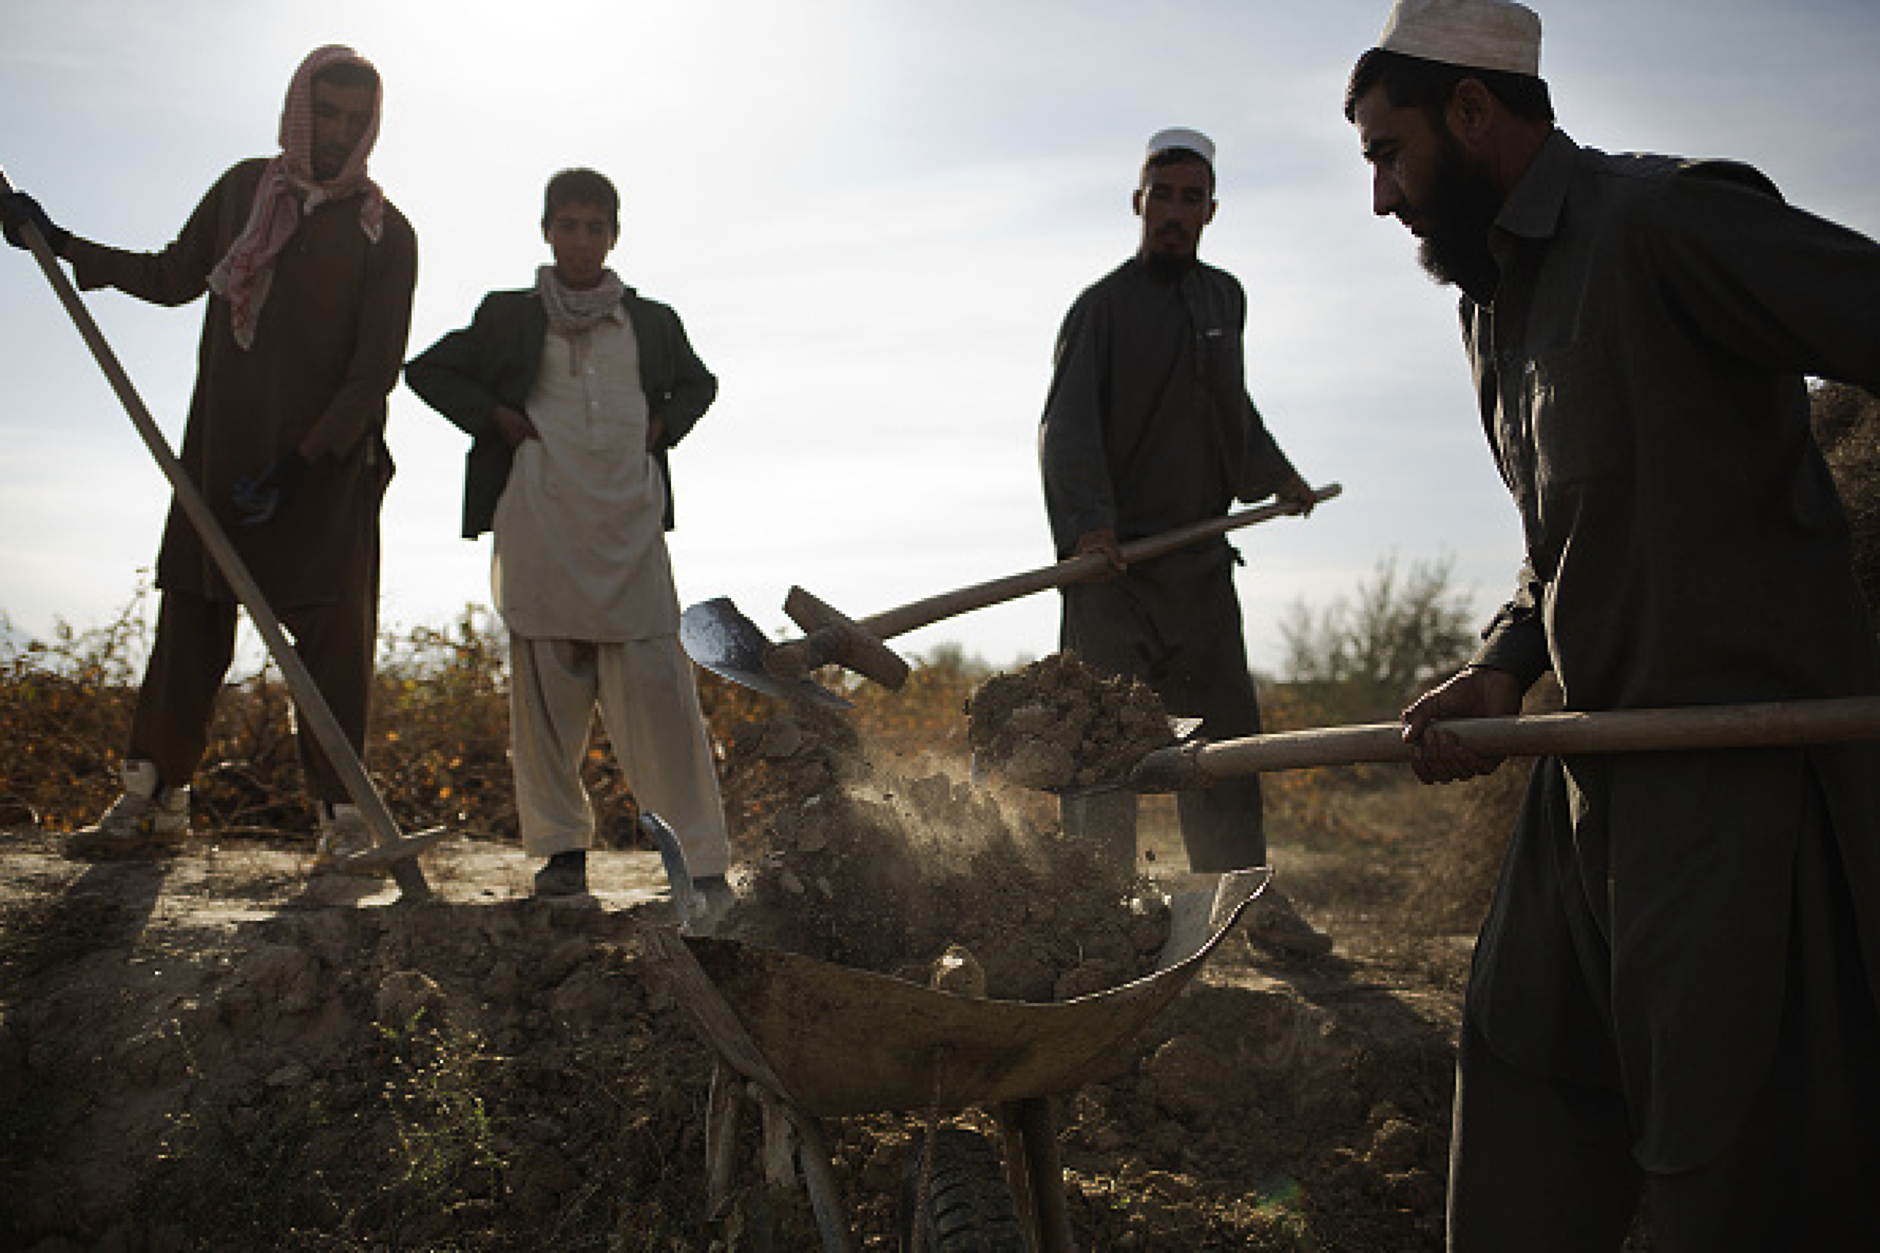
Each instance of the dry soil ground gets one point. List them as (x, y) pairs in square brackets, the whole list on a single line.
[(220, 1051)]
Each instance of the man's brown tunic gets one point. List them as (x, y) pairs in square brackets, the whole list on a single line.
[(327, 351), (328, 347)]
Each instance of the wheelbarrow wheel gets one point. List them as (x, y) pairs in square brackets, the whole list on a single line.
[(969, 1206)]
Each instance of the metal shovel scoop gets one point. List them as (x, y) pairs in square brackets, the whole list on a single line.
[(715, 635), (394, 852), (1191, 913)]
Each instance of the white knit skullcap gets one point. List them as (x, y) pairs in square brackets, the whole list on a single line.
[(1474, 34), (1182, 137)]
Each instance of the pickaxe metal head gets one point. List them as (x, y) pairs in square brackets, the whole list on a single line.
[(717, 636), (832, 637)]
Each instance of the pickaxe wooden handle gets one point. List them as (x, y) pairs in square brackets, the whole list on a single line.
[(857, 644), (1200, 765), (393, 851)]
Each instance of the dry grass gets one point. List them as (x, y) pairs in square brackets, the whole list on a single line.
[(437, 751)]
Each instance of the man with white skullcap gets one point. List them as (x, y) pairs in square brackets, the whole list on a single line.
[(309, 272), (1676, 994), (1148, 427)]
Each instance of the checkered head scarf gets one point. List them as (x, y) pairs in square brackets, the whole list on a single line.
[(288, 192)]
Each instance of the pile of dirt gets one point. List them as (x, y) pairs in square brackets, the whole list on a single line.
[(217, 1052), (1058, 723), (888, 866)]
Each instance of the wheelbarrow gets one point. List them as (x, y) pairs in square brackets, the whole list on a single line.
[(814, 1040)]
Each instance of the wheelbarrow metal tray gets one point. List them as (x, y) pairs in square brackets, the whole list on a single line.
[(837, 1041)]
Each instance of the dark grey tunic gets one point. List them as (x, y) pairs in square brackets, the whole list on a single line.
[(1148, 427), (1641, 382)]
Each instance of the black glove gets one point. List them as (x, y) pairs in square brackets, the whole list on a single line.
[(18, 209), (259, 497)]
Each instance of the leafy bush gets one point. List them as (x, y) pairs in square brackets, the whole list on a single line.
[(437, 749), (438, 745), (1362, 660), (65, 705)]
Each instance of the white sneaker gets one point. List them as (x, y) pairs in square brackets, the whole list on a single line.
[(343, 836), (145, 819)]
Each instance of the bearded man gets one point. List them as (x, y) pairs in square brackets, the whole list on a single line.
[(1676, 994), (309, 272)]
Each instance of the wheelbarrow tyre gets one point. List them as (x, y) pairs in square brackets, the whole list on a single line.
[(969, 1205)]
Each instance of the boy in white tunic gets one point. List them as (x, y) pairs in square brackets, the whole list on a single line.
[(573, 391)]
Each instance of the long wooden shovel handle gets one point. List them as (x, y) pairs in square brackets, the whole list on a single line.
[(1615, 731), (920, 613), (307, 696)]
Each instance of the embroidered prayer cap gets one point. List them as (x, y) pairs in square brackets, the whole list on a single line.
[(1182, 137), (1474, 34)]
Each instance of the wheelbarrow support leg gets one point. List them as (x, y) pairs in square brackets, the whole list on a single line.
[(1018, 1172), (779, 1142), (723, 1110), (1036, 1173), (820, 1182)]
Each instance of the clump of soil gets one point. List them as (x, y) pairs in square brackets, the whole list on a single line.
[(1059, 723), (1847, 424), (873, 866)]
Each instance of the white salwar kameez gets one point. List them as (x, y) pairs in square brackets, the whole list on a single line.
[(582, 579)]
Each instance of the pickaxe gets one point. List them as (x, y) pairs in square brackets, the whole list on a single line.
[(720, 638), (394, 852)]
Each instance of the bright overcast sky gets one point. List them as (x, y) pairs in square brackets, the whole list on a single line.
[(871, 216)]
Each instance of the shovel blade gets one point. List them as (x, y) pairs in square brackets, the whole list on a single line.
[(1198, 915), (1188, 930), (717, 636), (384, 858)]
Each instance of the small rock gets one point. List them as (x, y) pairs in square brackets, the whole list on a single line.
[(504, 981), (1396, 1146), (563, 958), (782, 738), (403, 995), (959, 972)]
